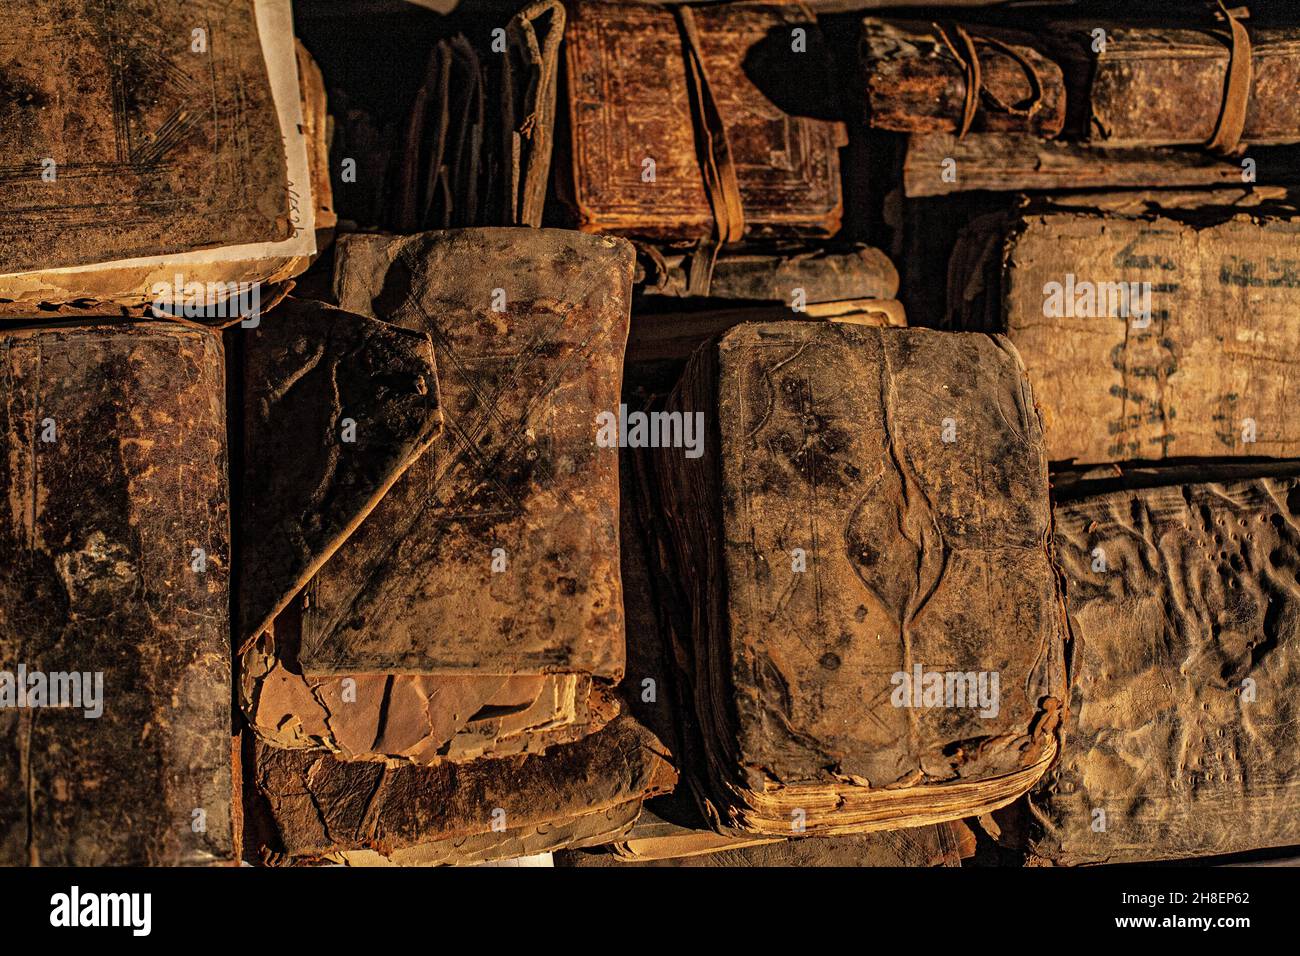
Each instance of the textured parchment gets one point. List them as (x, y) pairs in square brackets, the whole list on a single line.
[(1184, 605), (1220, 348), (518, 469), (336, 407), (98, 573), (158, 149), (628, 100), (577, 794), (829, 439)]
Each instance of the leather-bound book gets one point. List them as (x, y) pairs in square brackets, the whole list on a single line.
[(445, 585), (115, 664), (873, 635), (1150, 330), (936, 78), (1219, 85), (497, 550), (1180, 738), (152, 140), (683, 124)]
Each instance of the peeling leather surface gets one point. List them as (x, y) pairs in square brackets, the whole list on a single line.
[(308, 369), (629, 99), (415, 717), (1220, 348), (160, 152), (412, 590), (95, 575), (827, 437), (1200, 595), (586, 791)]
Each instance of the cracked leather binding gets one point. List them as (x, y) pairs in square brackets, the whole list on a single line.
[(360, 813), (830, 541), (1207, 375), (1185, 618), (629, 99), (115, 559)]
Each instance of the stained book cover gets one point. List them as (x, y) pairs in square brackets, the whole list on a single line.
[(1167, 86), (135, 129), (629, 100), (1147, 335), (114, 569), (315, 806), (870, 514), (497, 550), (1185, 616)]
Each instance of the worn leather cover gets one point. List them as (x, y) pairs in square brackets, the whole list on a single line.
[(829, 438), (576, 794), (1184, 607), (1219, 350), (1165, 86), (158, 149), (336, 407), (628, 100), (98, 573), (129, 287), (916, 82), (413, 588)]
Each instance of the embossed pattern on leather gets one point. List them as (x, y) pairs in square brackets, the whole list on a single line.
[(629, 102)]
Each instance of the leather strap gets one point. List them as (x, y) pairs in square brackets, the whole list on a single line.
[(1236, 85), (967, 54), (714, 154)]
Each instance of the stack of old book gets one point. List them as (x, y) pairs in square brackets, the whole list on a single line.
[(430, 595), (1158, 336), (1085, 103), (184, 175)]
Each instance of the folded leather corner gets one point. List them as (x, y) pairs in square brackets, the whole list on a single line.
[(337, 407)]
